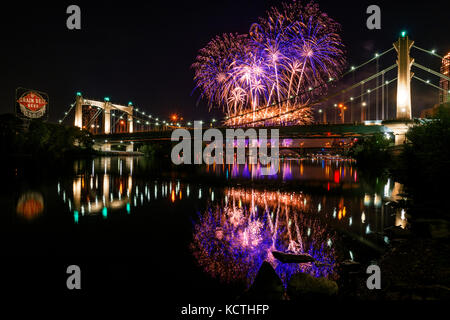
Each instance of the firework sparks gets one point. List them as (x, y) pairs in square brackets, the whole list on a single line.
[(231, 242), (267, 77)]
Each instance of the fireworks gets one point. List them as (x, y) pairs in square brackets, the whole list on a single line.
[(231, 242), (271, 73)]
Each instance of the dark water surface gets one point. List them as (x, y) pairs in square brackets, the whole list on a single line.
[(194, 233)]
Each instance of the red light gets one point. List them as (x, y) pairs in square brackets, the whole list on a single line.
[(336, 176)]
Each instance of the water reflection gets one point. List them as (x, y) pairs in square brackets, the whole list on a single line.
[(334, 170), (231, 241), (30, 205), (240, 227)]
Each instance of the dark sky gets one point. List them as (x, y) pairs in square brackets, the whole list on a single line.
[(142, 52)]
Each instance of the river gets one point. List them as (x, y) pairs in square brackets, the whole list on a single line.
[(195, 232)]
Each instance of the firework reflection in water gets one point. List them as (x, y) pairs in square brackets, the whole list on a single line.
[(288, 58), (231, 242)]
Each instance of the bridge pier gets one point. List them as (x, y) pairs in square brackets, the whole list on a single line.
[(107, 146), (399, 129), (102, 147)]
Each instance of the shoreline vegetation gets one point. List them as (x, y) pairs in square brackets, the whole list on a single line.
[(43, 140), (417, 264)]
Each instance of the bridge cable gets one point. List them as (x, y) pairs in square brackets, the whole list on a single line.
[(324, 99), (386, 83), (431, 52), (431, 71), (428, 83), (377, 56), (67, 113)]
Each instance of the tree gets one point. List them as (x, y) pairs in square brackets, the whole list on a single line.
[(372, 151), (425, 160)]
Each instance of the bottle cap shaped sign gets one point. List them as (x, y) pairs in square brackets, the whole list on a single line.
[(31, 103)]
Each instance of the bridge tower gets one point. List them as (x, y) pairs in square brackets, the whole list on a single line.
[(404, 63), (106, 106), (79, 111)]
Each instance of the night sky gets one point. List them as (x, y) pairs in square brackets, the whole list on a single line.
[(142, 52)]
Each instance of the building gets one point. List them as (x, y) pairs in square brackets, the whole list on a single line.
[(444, 95)]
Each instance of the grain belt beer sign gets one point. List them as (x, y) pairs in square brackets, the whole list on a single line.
[(31, 104)]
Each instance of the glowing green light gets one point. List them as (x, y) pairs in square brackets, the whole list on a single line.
[(403, 34), (130, 103), (106, 98), (75, 216), (79, 94), (128, 208), (105, 212)]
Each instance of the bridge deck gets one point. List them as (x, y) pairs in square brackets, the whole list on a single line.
[(310, 131)]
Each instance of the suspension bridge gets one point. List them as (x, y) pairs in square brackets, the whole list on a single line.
[(347, 112)]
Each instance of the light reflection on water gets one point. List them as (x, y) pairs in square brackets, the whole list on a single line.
[(241, 226), (334, 170), (232, 240)]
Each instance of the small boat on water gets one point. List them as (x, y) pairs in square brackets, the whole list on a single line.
[(292, 258)]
